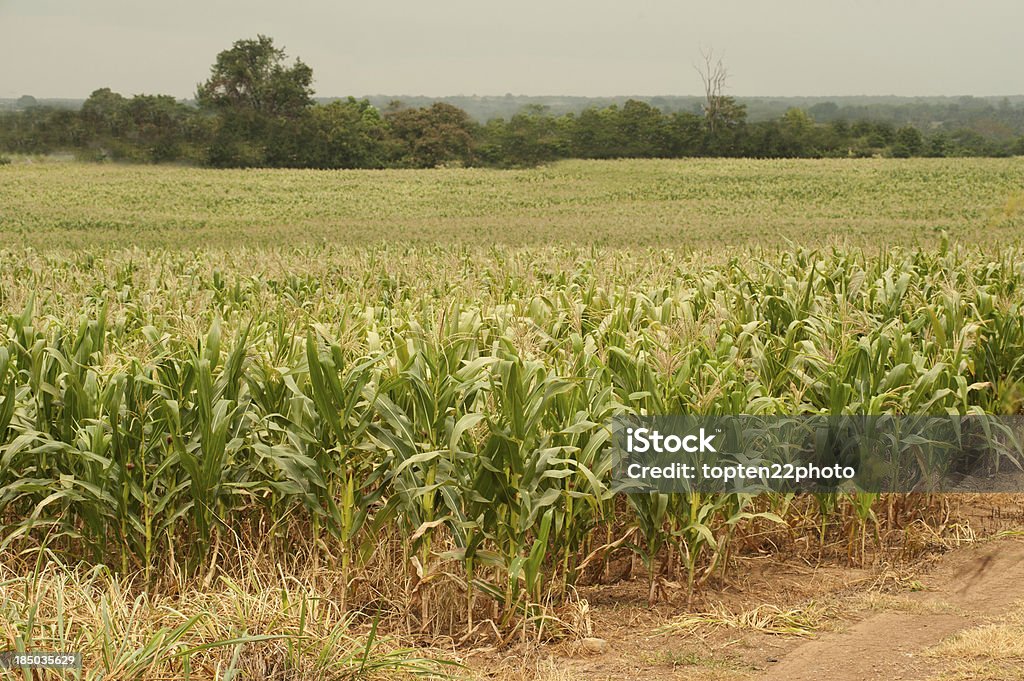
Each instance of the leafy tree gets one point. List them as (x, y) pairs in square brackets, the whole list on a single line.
[(643, 130), (595, 134), (840, 128), (532, 137), (797, 133), (345, 134), (253, 77), (159, 128), (881, 135), (257, 98), (938, 146), (437, 135), (41, 130), (686, 134), (908, 142), (104, 124), (970, 143), (797, 122), (103, 114), (726, 136), (730, 113), (824, 111)]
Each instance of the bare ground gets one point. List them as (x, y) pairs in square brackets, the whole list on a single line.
[(968, 587), (851, 623)]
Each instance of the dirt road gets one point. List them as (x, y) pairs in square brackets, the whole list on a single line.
[(968, 587)]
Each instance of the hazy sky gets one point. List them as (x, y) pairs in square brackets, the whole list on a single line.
[(67, 48)]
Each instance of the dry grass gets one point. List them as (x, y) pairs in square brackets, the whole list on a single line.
[(1001, 639), (884, 602), (992, 651), (767, 618), (287, 628)]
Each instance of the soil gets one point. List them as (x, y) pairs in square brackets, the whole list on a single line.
[(972, 585), (865, 623)]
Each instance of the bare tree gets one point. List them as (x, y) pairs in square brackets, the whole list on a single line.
[(714, 76)]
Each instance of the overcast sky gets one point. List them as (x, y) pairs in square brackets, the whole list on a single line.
[(67, 48)]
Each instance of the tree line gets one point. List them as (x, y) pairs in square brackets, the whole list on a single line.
[(999, 117), (257, 110)]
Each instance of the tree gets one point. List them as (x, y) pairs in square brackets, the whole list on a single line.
[(436, 135), (714, 76), (686, 134), (824, 111), (938, 146), (724, 117), (253, 77), (345, 134), (644, 130), (530, 137), (595, 134), (104, 122), (259, 100), (797, 132), (158, 128), (909, 142), (103, 113)]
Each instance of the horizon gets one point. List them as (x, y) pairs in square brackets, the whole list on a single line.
[(376, 95)]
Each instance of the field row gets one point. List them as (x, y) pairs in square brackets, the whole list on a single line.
[(703, 204)]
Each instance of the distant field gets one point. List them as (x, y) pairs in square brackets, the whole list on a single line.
[(702, 204)]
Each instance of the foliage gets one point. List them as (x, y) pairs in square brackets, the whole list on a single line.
[(455, 405), (345, 134), (253, 78), (247, 627), (427, 138), (257, 110), (691, 204)]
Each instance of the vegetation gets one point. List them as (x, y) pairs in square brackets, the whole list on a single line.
[(428, 425), (257, 110), (246, 459), (989, 116), (464, 430), (198, 631), (697, 204)]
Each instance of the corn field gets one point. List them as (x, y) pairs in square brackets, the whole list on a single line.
[(445, 412), (248, 416), (694, 203)]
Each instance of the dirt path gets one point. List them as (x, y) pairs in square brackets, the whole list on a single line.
[(863, 634), (966, 587)]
